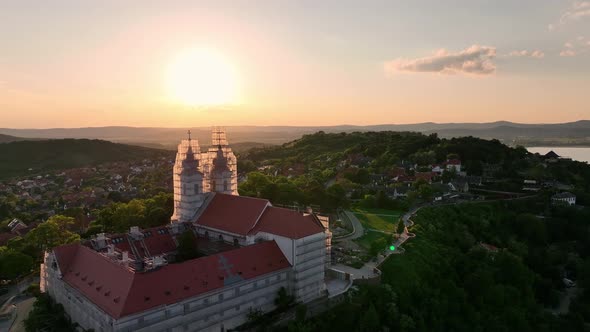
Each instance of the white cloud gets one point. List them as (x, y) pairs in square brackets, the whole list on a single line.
[(579, 45), (474, 60), (567, 52), (578, 10), (524, 53)]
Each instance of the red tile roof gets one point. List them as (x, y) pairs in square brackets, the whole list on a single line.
[(5, 237), (234, 214), (453, 162), (427, 176), (158, 244), (158, 241), (287, 223), (121, 292)]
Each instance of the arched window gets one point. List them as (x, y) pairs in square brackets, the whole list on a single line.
[(236, 243), (225, 185), (213, 188), (196, 188), (220, 237), (184, 189), (207, 234)]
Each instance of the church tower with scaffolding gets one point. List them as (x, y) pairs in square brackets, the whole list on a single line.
[(220, 165), (196, 173), (188, 180)]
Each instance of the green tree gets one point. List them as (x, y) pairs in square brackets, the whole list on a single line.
[(48, 316), (401, 226), (426, 192), (283, 299), (377, 246), (14, 264), (406, 323), (52, 233), (187, 246), (370, 320), (300, 312)]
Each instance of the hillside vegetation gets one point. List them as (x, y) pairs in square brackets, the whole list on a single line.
[(17, 158), (447, 281), (322, 168)]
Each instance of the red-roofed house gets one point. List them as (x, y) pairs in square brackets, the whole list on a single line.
[(426, 176), (453, 164)]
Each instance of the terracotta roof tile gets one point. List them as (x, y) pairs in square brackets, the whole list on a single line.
[(287, 223), (121, 292), (234, 214)]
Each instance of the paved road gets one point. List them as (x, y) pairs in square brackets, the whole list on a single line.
[(357, 227), (18, 288), (565, 300), (22, 312)]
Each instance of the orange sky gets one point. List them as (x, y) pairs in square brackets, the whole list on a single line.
[(73, 66)]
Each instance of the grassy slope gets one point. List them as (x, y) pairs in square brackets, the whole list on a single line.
[(370, 237), (17, 157), (380, 219)]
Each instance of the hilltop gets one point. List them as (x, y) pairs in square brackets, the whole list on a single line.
[(16, 158)]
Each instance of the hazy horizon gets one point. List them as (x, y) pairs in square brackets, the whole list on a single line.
[(300, 126)]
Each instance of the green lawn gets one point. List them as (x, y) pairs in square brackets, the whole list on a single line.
[(380, 219), (366, 240)]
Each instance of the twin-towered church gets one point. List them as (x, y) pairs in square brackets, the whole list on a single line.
[(249, 249)]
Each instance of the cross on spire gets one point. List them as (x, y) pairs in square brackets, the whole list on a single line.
[(189, 134)]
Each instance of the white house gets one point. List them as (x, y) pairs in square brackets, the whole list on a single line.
[(453, 164), (564, 198)]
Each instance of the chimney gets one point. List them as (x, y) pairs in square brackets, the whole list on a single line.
[(125, 258), (135, 232), (159, 261), (111, 251), (101, 241)]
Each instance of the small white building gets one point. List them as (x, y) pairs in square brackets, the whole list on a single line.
[(564, 198), (453, 164)]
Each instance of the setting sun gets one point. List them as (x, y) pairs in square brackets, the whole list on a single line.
[(202, 77)]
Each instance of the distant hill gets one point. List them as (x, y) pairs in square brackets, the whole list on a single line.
[(16, 158), (8, 138), (509, 132)]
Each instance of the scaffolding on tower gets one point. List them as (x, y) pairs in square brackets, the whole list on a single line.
[(219, 141)]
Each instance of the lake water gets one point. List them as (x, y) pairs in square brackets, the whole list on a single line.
[(579, 154)]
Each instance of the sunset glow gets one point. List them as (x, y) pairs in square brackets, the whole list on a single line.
[(201, 77)]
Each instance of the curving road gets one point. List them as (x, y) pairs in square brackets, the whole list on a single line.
[(357, 227)]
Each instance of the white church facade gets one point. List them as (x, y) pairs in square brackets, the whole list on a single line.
[(251, 249)]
